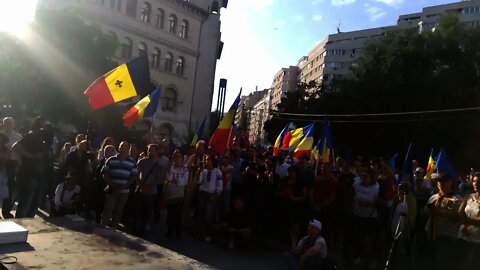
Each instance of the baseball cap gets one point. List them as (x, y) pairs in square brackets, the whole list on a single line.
[(317, 224)]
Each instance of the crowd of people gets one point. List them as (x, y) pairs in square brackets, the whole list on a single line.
[(357, 208)]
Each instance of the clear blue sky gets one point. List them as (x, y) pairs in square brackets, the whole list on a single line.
[(262, 36)]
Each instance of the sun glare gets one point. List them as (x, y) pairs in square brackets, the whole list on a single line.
[(15, 16)]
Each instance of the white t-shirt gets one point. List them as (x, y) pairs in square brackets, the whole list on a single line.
[(319, 239), (67, 195), (176, 191), (471, 232), (365, 194), (214, 184), (282, 170), (13, 137)]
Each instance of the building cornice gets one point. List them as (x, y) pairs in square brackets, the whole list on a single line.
[(191, 8)]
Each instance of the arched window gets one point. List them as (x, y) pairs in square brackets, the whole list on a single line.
[(168, 61), (132, 8), (215, 7), (165, 132), (169, 99), (184, 29), (159, 18), (172, 20), (126, 47), (142, 48), (146, 12), (112, 37), (180, 65), (156, 58)]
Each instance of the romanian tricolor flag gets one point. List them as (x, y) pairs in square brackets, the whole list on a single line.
[(222, 137), (430, 167), (293, 137), (305, 146), (279, 140), (199, 133), (125, 81), (323, 150), (146, 107)]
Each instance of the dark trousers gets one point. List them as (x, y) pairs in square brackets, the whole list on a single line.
[(7, 203), (174, 217), (367, 228), (144, 209)]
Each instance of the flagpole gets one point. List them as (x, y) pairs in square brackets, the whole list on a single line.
[(229, 137), (151, 128)]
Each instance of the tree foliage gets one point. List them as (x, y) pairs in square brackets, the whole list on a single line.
[(406, 71), (47, 72)]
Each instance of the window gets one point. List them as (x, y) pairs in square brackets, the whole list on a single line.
[(172, 20), (168, 61), (184, 29), (475, 9), (169, 100), (159, 18), (101, 2), (180, 65), (146, 12), (142, 49), (132, 8), (113, 4), (126, 47), (156, 58)]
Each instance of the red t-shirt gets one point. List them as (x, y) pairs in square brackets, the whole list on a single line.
[(323, 188)]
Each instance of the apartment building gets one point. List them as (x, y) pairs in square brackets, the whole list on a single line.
[(259, 115), (334, 55), (468, 13), (284, 81), (245, 108)]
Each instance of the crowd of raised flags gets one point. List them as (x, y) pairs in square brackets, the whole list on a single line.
[(284, 168)]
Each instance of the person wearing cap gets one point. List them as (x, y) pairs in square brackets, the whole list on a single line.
[(310, 251), (442, 210), (67, 195)]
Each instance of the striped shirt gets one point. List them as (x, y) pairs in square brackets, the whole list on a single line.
[(120, 171)]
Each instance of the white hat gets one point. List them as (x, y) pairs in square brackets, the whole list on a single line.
[(317, 224)]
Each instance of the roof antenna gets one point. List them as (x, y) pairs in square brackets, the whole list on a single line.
[(338, 26)]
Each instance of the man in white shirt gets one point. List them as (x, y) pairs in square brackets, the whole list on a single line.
[(12, 164)]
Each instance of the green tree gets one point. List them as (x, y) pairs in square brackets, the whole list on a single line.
[(47, 72), (409, 71)]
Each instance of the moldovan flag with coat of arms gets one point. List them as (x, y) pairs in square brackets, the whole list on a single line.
[(222, 137), (146, 107), (125, 81)]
